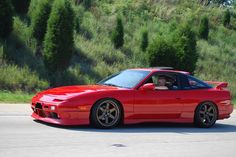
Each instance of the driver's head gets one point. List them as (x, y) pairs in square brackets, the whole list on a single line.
[(161, 81)]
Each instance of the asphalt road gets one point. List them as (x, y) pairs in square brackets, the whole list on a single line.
[(21, 136)]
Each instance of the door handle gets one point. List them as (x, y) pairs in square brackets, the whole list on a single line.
[(178, 98)]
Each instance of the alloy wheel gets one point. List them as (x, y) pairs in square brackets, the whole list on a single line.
[(206, 115), (107, 113)]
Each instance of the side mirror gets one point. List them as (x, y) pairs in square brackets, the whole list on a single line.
[(147, 86)]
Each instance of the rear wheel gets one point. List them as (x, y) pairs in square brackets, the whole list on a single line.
[(205, 115), (106, 114)]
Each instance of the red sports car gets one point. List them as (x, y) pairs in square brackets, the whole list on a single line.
[(136, 96)]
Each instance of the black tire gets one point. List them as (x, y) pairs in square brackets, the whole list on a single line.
[(205, 115), (106, 114)]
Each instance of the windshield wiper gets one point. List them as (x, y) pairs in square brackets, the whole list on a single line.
[(110, 84)]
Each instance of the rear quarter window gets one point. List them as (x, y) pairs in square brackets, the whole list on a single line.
[(190, 82)]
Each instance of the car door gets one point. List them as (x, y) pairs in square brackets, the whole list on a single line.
[(159, 104)]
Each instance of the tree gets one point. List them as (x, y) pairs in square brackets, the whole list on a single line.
[(39, 20), (204, 28), (77, 24), (21, 6), (226, 19), (162, 53), (118, 34), (144, 42), (6, 19), (87, 4), (59, 42), (177, 49), (185, 43)]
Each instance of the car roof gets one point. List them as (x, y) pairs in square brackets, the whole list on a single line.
[(162, 69)]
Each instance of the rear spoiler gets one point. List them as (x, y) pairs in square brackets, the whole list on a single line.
[(218, 85)]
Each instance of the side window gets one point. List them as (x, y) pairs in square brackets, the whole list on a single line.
[(165, 81), (189, 82)]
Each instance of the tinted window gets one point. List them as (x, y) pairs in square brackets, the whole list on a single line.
[(190, 82)]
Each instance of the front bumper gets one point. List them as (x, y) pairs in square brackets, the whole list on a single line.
[(71, 117), (60, 121)]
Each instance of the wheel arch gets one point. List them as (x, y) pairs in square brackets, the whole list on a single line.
[(205, 102), (110, 98)]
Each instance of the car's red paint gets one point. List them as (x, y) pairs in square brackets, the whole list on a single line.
[(140, 104)]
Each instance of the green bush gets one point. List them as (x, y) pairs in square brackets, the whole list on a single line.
[(162, 53), (177, 49), (39, 20), (226, 19), (59, 42), (144, 42), (21, 6), (6, 20), (204, 28), (118, 34), (64, 78), (13, 78), (185, 42)]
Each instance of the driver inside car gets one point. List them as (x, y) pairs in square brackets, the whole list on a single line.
[(161, 83)]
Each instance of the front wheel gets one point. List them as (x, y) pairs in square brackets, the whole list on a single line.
[(205, 115), (106, 114)]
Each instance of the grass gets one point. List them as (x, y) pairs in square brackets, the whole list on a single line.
[(15, 97), (234, 102)]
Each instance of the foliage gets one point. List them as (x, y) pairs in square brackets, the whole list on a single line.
[(226, 19), (39, 20), (218, 2), (162, 53), (59, 42), (77, 24), (144, 42), (223, 2), (32, 7), (87, 4), (6, 20), (185, 41), (217, 59), (204, 28), (177, 50), (118, 34), (13, 78), (21, 6)]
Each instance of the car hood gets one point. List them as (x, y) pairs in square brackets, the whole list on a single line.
[(66, 92)]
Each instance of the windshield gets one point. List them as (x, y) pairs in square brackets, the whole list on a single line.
[(125, 79)]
